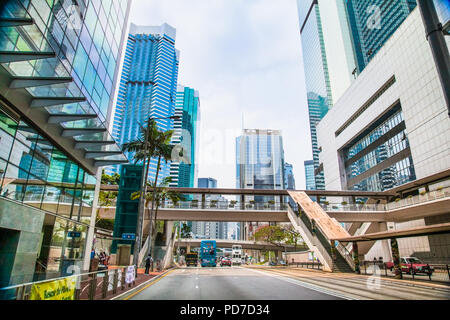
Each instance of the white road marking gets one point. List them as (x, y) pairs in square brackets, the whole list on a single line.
[(305, 285)]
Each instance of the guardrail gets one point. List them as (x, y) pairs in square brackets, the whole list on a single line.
[(309, 265), (421, 198), (224, 205), (439, 272), (88, 286)]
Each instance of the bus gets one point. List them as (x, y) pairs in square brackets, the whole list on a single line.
[(192, 259), (236, 258), (208, 253)]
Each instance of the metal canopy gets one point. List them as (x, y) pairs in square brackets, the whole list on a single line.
[(16, 56), (39, 102), (87, 144), (15, 22), (96, 154), (29, 82), (58, 118), (38, 109), (78, 132)]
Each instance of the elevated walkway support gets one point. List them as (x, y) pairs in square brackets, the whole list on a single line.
[(316, 229)]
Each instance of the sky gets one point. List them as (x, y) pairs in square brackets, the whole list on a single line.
[(244, 58)]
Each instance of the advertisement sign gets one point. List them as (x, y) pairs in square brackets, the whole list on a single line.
[(54, 290), (130, 275)]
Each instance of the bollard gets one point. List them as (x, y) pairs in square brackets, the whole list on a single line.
[(448, 271), (93, 286), (115, 281), (105, 284), (122, 282)]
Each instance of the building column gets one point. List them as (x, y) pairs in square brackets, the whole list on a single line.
[(396, 259), (356, 257), (203, 201), (91, 229)]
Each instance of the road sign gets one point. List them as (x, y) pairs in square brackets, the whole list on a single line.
[(128, 236), (74, 234)]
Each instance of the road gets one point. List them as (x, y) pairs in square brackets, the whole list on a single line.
[(238, 283), (227, 283)]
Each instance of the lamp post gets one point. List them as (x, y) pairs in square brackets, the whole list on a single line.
[(143, 189)]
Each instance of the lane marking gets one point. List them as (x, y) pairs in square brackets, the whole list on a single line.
[(148, 285), (305, 285)]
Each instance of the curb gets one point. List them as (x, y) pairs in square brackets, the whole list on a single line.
[(129, 292)]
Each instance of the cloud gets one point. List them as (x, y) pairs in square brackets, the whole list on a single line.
[(244, 57)]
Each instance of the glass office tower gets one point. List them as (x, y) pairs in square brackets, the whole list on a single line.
[(260, 161), (316, 74), (309, 175), (187, 107), (58, 65), (148, 87), (372, 23)]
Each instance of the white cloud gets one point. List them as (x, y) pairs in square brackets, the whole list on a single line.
[(244, 57)]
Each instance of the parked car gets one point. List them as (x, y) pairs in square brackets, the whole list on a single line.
[(412, 264), (225, 262)]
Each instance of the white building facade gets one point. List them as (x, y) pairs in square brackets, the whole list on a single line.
[(391, 127)]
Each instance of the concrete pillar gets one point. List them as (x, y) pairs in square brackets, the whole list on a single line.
[(91, 229), (188, 248), (396, 259), (203, 201), (168, 230), (356, 257)]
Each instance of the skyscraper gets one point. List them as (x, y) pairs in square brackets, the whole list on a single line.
[(187, 108), (147, 87), (53, 129), (309, 175), (316, 73), (372, 24), (260, 161), (259, 165), (289, 181)]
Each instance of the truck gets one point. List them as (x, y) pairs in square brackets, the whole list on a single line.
[(192, 259), (412, 265), (236, 257)]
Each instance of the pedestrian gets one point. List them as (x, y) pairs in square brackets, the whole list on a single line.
[(148, 262)]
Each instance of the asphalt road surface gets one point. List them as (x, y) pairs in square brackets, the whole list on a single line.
[(231, 283)]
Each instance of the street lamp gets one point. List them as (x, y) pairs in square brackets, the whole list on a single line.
[(143, 189)]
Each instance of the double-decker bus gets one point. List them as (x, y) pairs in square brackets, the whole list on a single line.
[(236, 257), (208, 253)]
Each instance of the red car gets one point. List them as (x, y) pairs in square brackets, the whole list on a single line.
[(408, 263), (225, 262)]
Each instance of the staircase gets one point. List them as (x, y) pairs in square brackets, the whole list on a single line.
[(316, 229)]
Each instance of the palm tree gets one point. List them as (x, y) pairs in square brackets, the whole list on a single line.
[(156, 143), (159, 194)]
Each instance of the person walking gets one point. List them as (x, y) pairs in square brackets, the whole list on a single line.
[(148, 262)]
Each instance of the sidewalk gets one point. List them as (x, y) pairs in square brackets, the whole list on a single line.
[(141, 278), (323, 274)]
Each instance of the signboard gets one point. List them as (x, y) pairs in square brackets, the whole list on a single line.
[(128, 236), (130, 275), (54, 290), (74, 234)]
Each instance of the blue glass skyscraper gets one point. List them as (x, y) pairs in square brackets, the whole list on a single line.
[(372, 23), (316, 74), (186, 127), (148, 86), (309, 175)]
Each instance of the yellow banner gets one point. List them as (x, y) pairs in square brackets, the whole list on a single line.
[(55, 290)]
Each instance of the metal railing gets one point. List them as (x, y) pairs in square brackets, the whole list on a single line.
[(339, 207), (89, 286), (439, 272), (346, 254), (224, 205), (306, 265), (421, 198)]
